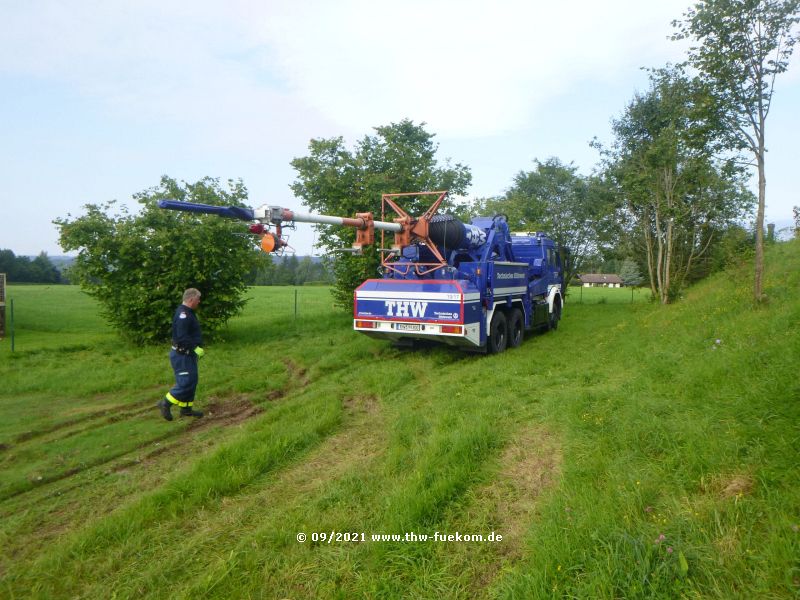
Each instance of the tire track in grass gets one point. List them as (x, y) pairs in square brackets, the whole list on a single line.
[(59, 510), (99, 419), (214, 516), (298, 379), (117, 414), (219, 413), (352, 449), (250, 519), (529, 466), (358, 442), (225, 413)]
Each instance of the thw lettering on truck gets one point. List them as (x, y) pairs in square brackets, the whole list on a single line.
[(405, 308)]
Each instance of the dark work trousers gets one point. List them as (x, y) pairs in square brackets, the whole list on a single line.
[(185, 367)]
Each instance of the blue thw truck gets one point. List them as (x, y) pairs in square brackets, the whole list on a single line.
[(475, 286), (494, 286)]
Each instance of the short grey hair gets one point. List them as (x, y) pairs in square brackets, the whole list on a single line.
[(191, 294)]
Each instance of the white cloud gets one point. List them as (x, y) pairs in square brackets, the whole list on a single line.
[(467, 68), (154, 62)]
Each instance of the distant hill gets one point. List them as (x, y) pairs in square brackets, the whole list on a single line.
[(314, 259), (61, 262)]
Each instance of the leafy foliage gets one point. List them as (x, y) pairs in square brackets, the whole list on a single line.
[(674, 194), (137, 266), (333, 180), (743, 46), (576, 210)]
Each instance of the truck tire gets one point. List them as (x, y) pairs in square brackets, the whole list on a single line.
[(555, 316), (498, 333), (516, 328)]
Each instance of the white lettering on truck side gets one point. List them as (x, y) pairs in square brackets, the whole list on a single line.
[(416, 309)]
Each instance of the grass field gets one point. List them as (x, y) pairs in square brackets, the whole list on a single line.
[(636, 452)]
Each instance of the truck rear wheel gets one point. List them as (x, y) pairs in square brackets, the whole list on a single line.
[(498, 333), (516, 326), (555, 316)]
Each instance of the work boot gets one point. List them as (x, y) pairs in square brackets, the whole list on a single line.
[(188, 411), (164, 406)]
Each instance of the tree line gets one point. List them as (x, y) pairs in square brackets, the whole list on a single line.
[(290, 270), (266, 270), (22, 269)]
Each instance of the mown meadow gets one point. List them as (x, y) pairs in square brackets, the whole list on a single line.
[(638, 451)]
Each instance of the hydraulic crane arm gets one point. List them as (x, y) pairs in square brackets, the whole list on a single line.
[(406, 228)]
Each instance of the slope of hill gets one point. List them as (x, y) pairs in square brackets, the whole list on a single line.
[(638, 451)]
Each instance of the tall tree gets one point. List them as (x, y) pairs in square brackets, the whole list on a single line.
[(674, 193), (743, 46), (262, 271), (137, 266), (556, 199), (400, 157), (7, 260), (629, 273), (44, 270)]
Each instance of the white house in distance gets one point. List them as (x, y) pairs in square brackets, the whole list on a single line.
[(600, 280)]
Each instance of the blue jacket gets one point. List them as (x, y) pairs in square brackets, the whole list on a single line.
[(186, 335)]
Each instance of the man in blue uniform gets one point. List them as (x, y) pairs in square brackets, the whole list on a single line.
[(187, 347)]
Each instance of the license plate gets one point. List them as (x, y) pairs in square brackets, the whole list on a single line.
[(409, 327)]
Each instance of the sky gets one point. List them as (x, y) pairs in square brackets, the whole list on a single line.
[(98, 100)]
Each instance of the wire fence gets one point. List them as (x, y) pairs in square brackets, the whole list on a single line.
[(290, 303), (607, 295), (293, 303)]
